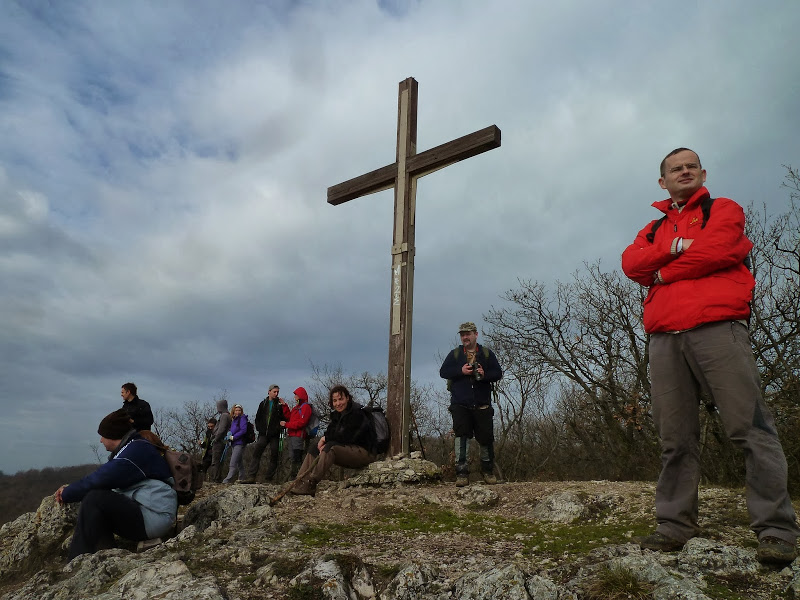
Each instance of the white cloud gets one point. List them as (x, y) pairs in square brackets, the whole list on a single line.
[(163, 175)]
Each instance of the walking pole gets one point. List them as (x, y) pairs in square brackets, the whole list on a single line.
[(224, 452), (284, 491)]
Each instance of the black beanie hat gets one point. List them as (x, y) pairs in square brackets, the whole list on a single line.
[(114, 426)]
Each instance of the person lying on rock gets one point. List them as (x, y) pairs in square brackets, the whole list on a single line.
[(349, 441), (131, 495)]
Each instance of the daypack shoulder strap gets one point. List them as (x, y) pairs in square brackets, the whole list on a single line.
[(705, 207), (654, 227)]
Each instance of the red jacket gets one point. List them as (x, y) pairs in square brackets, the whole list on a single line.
[(298, 419), (704, 284)]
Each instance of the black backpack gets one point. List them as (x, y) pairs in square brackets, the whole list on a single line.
[(250, 435), (380, 426), (705, 207)]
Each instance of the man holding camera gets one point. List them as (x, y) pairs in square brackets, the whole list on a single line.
[(471, 370)]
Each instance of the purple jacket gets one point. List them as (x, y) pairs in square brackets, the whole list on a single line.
[(239, 430)]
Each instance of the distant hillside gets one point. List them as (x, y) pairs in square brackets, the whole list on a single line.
[(24, 491)]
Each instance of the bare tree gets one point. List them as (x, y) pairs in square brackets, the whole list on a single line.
[(182, 428), (775, 322), (587, 337)]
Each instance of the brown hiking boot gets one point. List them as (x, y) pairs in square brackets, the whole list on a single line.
[(489, 478), (658, 541), (248, 480), (775, 551), (304, 488), (462, 480)]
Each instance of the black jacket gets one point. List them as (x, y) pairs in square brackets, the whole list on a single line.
[(269, 422), (464, 389), (140, 412), (351, 426)]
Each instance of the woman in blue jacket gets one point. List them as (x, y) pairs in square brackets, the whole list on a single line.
[(237, 435), (131, 495)]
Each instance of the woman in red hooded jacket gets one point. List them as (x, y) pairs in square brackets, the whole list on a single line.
[(296, 428)]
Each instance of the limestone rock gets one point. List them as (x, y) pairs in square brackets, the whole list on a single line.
[(507, 582), (229, 503), (394, 471), (34, 538), (701, 556), (410, 583), (564, 507), (478, 496), (327, 575)]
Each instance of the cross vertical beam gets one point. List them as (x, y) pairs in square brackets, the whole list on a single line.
[(398, 394), (402, 176)]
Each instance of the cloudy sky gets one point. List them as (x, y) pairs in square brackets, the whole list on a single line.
[(164, 168)]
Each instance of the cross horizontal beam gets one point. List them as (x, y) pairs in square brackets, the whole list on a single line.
[(417, 165)]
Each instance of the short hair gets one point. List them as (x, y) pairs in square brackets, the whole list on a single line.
[(673, 153), (211, 420), (131, 387), (339, 389)]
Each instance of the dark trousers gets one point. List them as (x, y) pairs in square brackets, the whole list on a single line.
[(261, 444), (215, 473), (102, 514), (718, 359), (298, 447), (206, 460), (473, 422)]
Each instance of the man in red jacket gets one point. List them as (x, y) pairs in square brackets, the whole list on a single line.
[(697, 312)]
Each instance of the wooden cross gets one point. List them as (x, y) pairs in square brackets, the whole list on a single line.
[(402, 175)]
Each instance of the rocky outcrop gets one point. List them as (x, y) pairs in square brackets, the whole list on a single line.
[(395, 471), (435, 542), (33, 539)]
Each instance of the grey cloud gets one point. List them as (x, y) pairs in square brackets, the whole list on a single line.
[(182, 156)]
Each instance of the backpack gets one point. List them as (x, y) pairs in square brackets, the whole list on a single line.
[(313, 422), (250, 435), (456, 354), (185, 470), (186, 473), (705, 207), (380, 426)]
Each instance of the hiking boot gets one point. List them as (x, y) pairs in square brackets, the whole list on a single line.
[(304, 488), (248, 480), (775, 551), (489, 478), (658, 541), (462, 480)]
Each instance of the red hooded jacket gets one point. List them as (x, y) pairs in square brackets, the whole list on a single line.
[(300, 415), (704, 284)]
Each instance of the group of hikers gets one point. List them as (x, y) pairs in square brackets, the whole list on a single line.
[(348, 441), (694, 262), (274, 420)]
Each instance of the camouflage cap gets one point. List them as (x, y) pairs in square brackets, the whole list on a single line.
[(273, 386), (468, 326)]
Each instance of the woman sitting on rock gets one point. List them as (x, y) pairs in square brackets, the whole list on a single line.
[(348, 442)]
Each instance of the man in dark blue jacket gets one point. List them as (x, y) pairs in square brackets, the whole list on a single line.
[(471, 370), (131, 495)]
